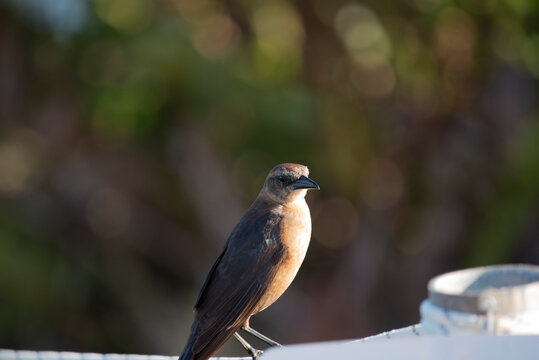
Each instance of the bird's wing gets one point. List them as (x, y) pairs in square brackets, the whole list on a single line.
[(237, 280), (210, 276)]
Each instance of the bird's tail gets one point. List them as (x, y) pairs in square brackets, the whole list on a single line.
[(207, 343), (187, 353)]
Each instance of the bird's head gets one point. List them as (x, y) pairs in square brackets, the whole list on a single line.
[(287, 183)]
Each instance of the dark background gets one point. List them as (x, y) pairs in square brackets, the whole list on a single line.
[(134, 134)]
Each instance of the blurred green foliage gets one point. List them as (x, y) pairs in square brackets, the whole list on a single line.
[(134, 133)]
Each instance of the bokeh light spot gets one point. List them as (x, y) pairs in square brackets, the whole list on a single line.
[(363, 35), (358, 26), (217, 37), (455, 37), (65, 18), (280, 35), (16, 167), (128, 16), (194, 10)]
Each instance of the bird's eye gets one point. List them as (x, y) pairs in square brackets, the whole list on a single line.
[(282, 178)]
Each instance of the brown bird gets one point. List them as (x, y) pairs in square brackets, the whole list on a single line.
[(257, 264)]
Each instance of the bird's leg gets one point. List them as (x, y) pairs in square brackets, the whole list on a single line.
[(255, 353), (262, 337)]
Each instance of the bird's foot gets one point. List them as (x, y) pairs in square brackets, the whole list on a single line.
[(255, 353)]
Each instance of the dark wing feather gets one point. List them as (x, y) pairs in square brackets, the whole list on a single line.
[(237, 280), (210, 275)]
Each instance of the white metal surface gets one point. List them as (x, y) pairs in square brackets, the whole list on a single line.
[(473, 347), (409, 331), (504, 289), (6, 354), (499, 299), (436, 320)]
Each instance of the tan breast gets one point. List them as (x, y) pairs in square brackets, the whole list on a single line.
[(295, 234)]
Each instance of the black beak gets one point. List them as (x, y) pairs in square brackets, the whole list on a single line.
[(305, 183)]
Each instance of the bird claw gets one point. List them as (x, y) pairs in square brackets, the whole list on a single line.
[(255, 353)]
